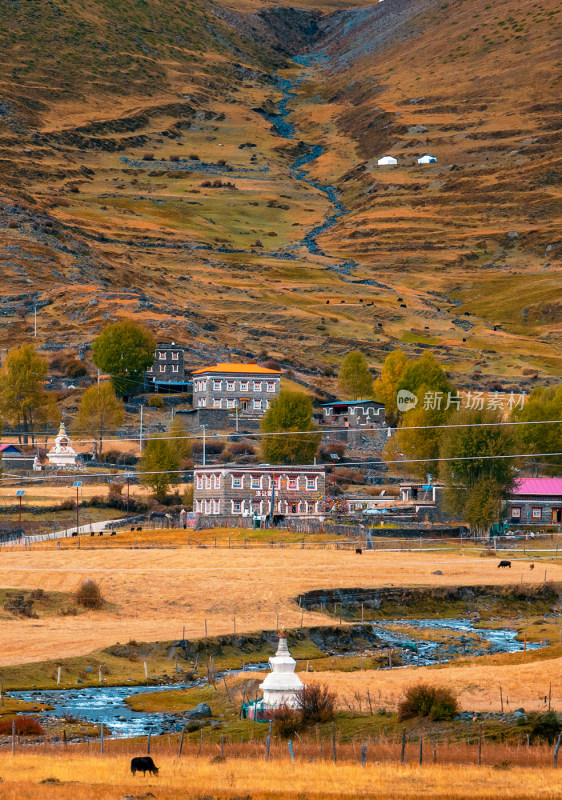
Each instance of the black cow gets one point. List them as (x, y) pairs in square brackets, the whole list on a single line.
[(143, 764), (504, 563), (358, 551)]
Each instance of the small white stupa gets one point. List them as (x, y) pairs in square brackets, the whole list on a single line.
[(281, 685), (62, 454)]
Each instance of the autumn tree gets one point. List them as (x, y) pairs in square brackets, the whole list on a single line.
[(289, 411), (476, 482), (124, 350), (23, 398), (179, 438), (99, 412), (158, 467), (354, 378), (386, 385), (424, 371), (544, 403)]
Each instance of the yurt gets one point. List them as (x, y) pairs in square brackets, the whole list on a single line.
[(427, 159), (387, 161)]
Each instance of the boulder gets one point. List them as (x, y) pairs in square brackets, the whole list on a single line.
[(200, 711)]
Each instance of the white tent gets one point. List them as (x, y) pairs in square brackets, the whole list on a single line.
[(427, 160), (386, 161)]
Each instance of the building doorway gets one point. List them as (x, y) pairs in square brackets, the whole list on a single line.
[(557, 514)]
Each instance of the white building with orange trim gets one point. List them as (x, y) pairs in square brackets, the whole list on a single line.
[(246, 387)]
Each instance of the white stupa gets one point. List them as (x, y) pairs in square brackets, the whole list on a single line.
[(281, 685), (62, 454)]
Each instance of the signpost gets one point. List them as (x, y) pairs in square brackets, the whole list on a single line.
[(20, 493)]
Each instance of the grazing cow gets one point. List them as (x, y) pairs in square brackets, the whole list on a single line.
[(504, 563), (359, 551), (532, 566), (143, 764)]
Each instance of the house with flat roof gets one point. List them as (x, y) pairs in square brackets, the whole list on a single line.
[(535, 501), (247, 388), (353, 413), (167, 372)]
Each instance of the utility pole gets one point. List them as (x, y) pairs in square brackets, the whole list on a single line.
[(204, 445), (77, 485), (140, 432), (237, 404), (99, 373), (128, 476)]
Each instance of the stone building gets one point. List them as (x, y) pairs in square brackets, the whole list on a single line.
[(230, 489), (535, 501), (247, 388), (167, 373), (353, 414)]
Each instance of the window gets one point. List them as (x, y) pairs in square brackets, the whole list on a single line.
[(271, 386), (230, 386), (217, 386), (149, 369), (202, 386), (311, 483), (230, 403), (217, 506), (202, 402), (275, 481), (175, 356), (292, 482), (537, 512), (217, 403), (218, 481), (256, 482), (175, 368), (516, 512), (236, 506), (208, 482), (200, 481), (257, 386), (310, 508), (161, 355), (243, 386), (257, 403), (162, 368), (198, 506), (237, 481)]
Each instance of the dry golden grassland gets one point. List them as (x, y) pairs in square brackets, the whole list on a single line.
[(154, 593), (84, 777)]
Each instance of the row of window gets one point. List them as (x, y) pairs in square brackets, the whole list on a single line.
[(200, 385), (292, 483), (536, 513), (163, 354), (217, 506), (230, 402), (175, 368)]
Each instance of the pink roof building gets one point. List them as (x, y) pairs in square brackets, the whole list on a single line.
[(538, 486)]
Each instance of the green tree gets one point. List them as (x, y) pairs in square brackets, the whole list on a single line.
[(159, 464), (544, 403), (179, 438), (354, 379), (476, 484), (289, 411), (23, 398), (124, 350), (99, 412), (426, 371), (386, 385)]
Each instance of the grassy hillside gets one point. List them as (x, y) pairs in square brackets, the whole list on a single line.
[(139, 177)]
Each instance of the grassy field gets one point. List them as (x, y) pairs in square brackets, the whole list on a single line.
[(155, 593), (77, 776)]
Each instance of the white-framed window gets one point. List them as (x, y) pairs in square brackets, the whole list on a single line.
[(202, 402), (292, 482), (256, 481), (230, 386), (244, 386), (516, 512), (217, 403), (162, 368), (271, 386), (237, 481), (200, 481), (208, 481), (311, 483), (257, 403), (266, 404), (175, 356), (237, 506), (217, 386), (149, 369), (198, 506), (217, 480), (217, 506), (175, 368), (161, 355), (275, 481), (208, 506), (310, 508), (536, 512), (230, 402), (257, 386)]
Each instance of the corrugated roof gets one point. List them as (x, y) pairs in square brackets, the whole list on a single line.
[(236, 369), (536, 486), (4, 447)]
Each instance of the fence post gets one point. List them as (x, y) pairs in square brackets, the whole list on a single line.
[(434, 752), (148, 745), (421, 750), (181, 741), (101, 737), (291, 750), (14, 739), (145, 671), (334, 741), (222, 746), (403, 748), (268, 741), (200, 744), (556, 749), (363, 755)]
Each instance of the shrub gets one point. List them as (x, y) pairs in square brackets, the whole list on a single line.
[(422, 700), (156, 401), (212, 448), (25, 726), (241, 449), (89, 595), (148, 157), (546, 726), (76, 369), (316, 704), (286, 721)]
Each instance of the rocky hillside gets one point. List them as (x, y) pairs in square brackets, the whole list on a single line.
[(149, 169)]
